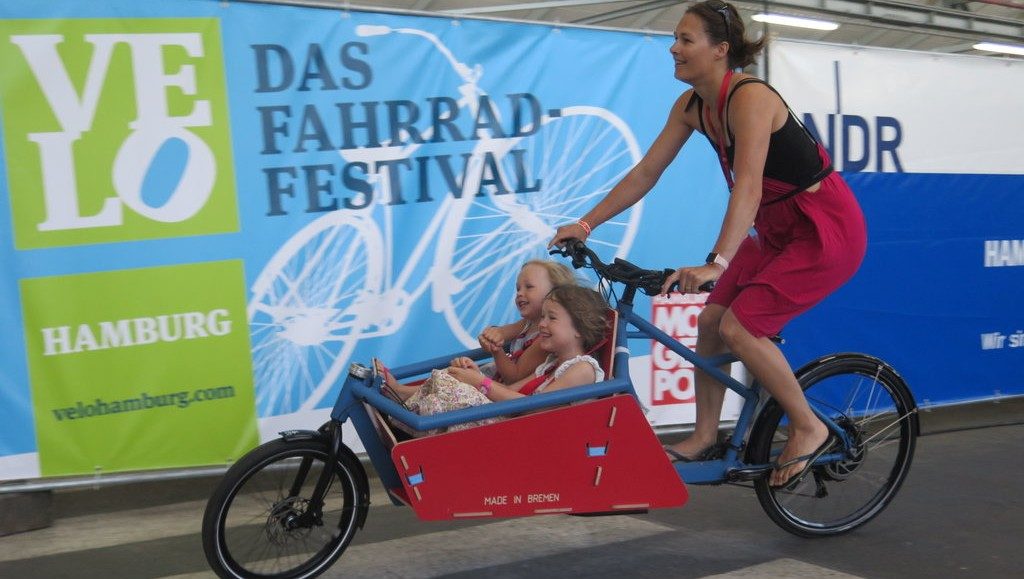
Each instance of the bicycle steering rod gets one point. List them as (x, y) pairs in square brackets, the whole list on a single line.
[(634, 277)]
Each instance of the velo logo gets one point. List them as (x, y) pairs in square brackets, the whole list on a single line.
[(115, 130)]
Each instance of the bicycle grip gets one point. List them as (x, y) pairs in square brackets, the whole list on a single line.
[(705, 287)]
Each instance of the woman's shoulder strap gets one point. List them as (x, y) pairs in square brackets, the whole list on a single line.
[(755, 80), (693, 100), (696, 100), (746, 81)]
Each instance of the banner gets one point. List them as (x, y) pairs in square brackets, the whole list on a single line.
[(930, 143), (215, 207)]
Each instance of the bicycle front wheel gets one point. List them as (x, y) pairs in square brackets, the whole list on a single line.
[(870, 401), (258, 523)]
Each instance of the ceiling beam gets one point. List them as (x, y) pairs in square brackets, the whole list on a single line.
[(644, 20), (915, 17), (629, 11), (527, 6)]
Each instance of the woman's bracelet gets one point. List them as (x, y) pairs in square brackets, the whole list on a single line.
[(585, 226), (485, 385)]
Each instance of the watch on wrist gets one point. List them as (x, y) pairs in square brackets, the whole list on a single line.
[(715, 258)]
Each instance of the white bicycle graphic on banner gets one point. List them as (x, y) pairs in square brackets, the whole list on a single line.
[(331, 284)]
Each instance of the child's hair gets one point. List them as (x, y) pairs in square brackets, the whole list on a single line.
[(722, 23), (558, 273), (587, 309)]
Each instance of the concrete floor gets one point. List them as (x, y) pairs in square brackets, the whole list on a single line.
[(959, 514)]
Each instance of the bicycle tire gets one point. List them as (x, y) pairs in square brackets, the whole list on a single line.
[(873, 404), (249, 525)]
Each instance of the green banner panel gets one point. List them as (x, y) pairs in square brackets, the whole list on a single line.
[(139, 369)]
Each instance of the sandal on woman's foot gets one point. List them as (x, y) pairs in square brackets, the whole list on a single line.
[(790, 483), (711, 452)]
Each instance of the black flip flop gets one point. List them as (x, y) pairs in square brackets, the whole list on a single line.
[(710, 453), (794, 480), (678, 456)]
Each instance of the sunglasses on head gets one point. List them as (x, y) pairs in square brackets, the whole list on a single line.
[(723, 9)]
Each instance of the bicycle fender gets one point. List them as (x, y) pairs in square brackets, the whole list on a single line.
[(363, 501), (293, 435), (363, 482)]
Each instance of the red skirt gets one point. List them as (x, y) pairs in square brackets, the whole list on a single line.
[(805, 248)]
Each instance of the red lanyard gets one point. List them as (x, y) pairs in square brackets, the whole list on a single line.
[(719, 138)]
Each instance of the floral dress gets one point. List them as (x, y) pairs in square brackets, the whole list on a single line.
[(443, 393)]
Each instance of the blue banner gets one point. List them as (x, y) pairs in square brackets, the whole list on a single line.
[(381, 177), (943, 196)]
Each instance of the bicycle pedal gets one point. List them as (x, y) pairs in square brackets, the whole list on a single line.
[(747, 474), (820, 490)]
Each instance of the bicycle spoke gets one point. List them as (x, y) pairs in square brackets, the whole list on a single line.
[(898, 422)]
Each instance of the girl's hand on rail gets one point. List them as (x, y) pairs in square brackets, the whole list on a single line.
[(463, 362), (567, 232), (470, 376), (690, 279)]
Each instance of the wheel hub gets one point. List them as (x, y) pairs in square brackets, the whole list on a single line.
[(286, 520), (841, 470)]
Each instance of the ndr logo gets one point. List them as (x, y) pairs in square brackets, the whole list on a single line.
[(851, 140), (115, 130)]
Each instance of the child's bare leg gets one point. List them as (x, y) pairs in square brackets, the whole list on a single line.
[(401, 389), (404, 391)]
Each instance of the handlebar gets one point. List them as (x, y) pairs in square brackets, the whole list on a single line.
[(648, 281)]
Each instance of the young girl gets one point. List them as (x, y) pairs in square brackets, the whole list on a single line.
[(536, 278), (572, 323)]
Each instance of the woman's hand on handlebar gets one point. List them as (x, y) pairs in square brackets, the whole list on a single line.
[(690, 279), (567, 232)]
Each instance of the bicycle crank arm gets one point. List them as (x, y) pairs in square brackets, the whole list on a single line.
[(749, 473)]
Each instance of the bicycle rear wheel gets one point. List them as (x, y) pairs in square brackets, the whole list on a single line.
[(874, 406), (254, 525)]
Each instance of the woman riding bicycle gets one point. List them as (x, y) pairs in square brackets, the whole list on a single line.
[(810, 239)]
